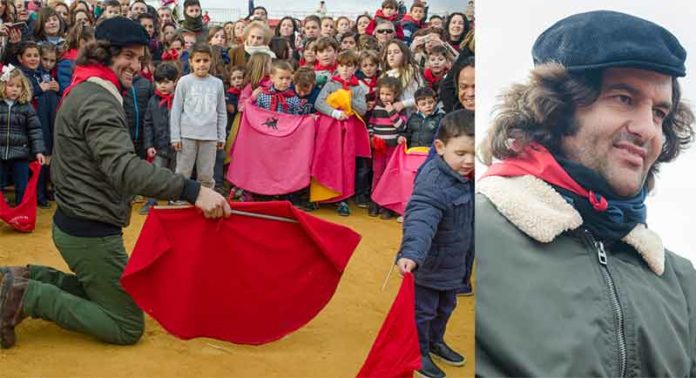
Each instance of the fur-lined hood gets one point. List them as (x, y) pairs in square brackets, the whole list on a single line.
[(536, 209)]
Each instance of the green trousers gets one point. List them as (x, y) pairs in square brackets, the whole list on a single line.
[(92, 300)]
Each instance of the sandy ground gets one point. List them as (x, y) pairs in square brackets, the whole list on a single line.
[(334, 344)]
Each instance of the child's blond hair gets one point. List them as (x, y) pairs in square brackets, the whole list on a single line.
[(25, 95), (258, 67)]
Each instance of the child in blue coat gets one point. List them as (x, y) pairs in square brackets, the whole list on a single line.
[(438, 236)]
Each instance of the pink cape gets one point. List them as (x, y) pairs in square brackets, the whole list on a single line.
[(337, 144), (23, 217), (243, 279), (395, 352), (272, 154), (396, 184)]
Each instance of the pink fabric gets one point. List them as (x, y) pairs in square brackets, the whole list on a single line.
[(337, 145), (272, 154), (379, 164), (396, 185)]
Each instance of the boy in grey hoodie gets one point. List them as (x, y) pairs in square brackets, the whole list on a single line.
[(198, 118)]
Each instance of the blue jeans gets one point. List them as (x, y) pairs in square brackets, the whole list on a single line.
[(433, 310), (20, 176)]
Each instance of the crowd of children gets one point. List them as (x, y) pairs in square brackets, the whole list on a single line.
[(383, 60)]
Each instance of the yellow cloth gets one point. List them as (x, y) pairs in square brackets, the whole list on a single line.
[(232, 136)]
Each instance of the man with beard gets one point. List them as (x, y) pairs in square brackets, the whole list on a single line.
[(96, 173), (571, 281)]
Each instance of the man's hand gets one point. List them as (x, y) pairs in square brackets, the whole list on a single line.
[(41, 158), (212, 204), (176, 146), (405, 265)]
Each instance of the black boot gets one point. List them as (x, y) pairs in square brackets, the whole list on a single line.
[(13, 284), (373, 210), (429, 369), (447, 355)]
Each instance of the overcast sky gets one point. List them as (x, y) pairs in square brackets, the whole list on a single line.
[(504, 41)]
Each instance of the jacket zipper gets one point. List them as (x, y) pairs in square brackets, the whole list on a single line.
[(614, 299), (7, 146)]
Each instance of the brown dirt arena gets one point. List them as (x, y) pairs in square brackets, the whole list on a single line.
[(334, 344)]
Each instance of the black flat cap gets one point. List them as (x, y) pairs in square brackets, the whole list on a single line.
[(603, 39), (122, 31)]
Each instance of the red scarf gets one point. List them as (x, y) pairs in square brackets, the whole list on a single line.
[(70, 54), (537, 161), (430, 77), (408, 18), (371, 83), (319, 67), (171, 54), (147, 74), (352, 82), (234, 91), (82, 73), (380, 14), (279, 98), (166, 99)]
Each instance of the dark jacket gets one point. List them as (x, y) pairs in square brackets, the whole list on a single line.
[(135, 102), (156, 128), (420, 130), (555, 302), (438, 226), (94, 169), (20, 132), (45, 104), (448, 85)]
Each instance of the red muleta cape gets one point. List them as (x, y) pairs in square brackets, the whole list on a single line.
[(336, 146), (396, 184), (243, 279), (395, 352), (23, 217), (272, 154)]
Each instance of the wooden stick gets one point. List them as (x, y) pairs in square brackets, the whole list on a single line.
[(235, 212), (386, 279)]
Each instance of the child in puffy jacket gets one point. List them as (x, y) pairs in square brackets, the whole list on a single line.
[(21, 138), (438, 236)]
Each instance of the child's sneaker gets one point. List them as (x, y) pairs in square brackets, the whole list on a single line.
[(362, 201), (429, 369), (447, 355), (343, 209), (386, 214), (373, 210)]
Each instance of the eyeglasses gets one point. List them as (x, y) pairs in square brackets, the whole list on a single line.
[(384, 31)]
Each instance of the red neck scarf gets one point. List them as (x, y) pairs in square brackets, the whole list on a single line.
[(279, 97), (171, 54), (537, 161), (371, 83), (70, 54), (82, 73), (166, 99), (319, 67), (380, 14), (431, 78), (408, 18), (352, 82), (234, 91)]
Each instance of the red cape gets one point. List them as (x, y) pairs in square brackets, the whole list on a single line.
[(336, 146), (395, 352), (23, 217), (243, 279), (396, 184), (272, 154)]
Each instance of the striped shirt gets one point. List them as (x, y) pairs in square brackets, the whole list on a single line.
[(386, 125)]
